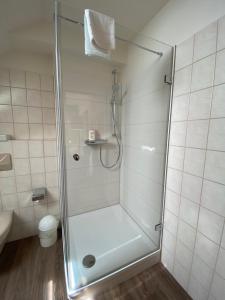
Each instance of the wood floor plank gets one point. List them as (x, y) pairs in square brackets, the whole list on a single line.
[(30, 272)]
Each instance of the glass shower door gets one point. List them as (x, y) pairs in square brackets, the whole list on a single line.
[(111, 216)]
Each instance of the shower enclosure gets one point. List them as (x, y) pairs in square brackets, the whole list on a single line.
[(111, 189)]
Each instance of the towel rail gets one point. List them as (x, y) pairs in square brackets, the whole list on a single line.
[(117, 37)]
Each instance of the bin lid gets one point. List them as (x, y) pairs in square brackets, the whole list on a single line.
[(48, 223)]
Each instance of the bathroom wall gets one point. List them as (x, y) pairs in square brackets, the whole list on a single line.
[(180, 19), (194, 235), (144, 122), (27, 114), (87, 90)]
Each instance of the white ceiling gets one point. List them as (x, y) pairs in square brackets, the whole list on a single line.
[(133, 14), (19, 15)]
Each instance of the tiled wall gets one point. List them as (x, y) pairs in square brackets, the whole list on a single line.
[(87, 90), (144, 122), (27, 113), (194, 234)]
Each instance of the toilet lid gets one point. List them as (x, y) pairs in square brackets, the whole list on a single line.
[(48, 223)]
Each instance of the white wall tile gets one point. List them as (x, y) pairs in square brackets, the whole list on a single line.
[(34, 115), (27, 214), (172, 202), (48, 99), (216, 135), (218, 287), (7, 185), (48, 116), (203, 73), (36, 131), (221, 33), (194, 161), (213, 197), (20, 114), (223, 239), (18, 96), (221, 263), (6, 113), (200, 267), (197, 133), (16, 185), (205, 41), (211, 225), (5, 96), (22, 166), (36, 149), (7, 128), (174, 179), (52, 179), (40, 211), (38, 180), (49, 131), (182, 81), (37, 165), (46, 83), (169, 241), (23, 183), (218, 103), (200, 104), (167, 260), (180, 108), (184, 255), (176, 157), (215, 166), (9, 202), (189, 212), (220, 67), (21, 131), (191, 187), (50, 148), (196, 290), (170, 222), (50, 164), (184, 53), (181, 275), (186, 234), (178, 133), (53, 209), (34, 98), (206, 249), (17, 78), (202, 203), (20, 149)]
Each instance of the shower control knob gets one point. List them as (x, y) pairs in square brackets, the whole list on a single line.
[(76, 156)]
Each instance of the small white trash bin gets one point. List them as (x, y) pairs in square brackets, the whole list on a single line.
[(48, 231)]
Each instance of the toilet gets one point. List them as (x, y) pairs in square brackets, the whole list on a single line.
[(5, 226)]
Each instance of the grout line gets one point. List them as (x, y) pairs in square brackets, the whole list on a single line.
[(195, 61)]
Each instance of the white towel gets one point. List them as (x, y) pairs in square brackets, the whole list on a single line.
[(99, 34)]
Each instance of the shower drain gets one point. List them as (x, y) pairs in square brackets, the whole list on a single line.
[(89, 261)]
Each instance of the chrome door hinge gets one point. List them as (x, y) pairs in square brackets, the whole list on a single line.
[(167, 79), (158, 227)]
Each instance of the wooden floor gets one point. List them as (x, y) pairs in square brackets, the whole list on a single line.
[(29, 272)]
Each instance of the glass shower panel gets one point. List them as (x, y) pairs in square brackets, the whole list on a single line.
[(112, 213)]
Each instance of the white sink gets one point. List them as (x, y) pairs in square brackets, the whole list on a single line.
[(5, 225)]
